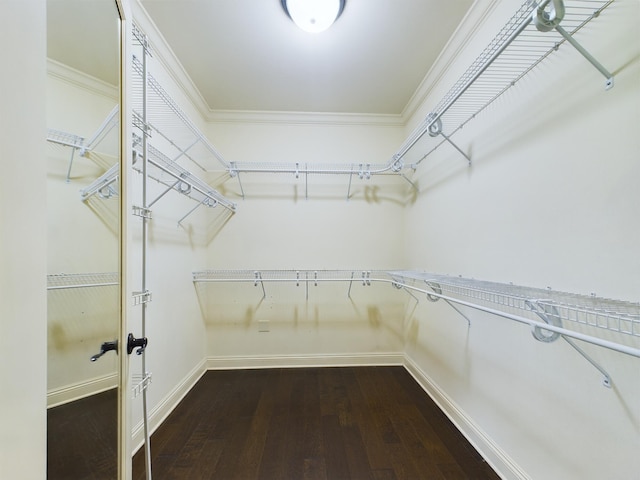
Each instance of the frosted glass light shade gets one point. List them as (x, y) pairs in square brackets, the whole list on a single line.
[(313, 16)]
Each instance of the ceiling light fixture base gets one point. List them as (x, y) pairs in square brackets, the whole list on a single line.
[(313, 16)]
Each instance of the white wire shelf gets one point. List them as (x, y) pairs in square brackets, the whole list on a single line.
[(297, 276), (64, 138), (550, 314), (516, 50), (171, 138), (363, 170), (172, 175), (169, 127), (61, 281), (621, 317), (79, 143)]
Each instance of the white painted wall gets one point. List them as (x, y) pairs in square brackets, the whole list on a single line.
[(550, 200), (23, 228), (278, 227)]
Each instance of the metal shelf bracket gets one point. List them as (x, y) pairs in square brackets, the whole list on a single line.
[(550, 314), (140, 298), (547, 19)]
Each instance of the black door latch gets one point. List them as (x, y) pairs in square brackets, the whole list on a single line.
[(133, 342)]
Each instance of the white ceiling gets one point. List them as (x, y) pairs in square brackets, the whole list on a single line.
[(248, 55)]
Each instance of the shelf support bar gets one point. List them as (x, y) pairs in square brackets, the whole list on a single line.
[(437, 289), (258, 278), (590, 58), (415, 187), (192, 210), (606, 380), (236, 173), (456, 147), (350, 284), (73, 151), (171, 187), (183, 152), (539, 309)]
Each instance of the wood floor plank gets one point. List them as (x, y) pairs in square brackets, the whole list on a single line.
[(337, 466), (82, 438), (359, 466), (336, 423)]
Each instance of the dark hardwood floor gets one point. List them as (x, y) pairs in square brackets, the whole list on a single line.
[(310, 423), (82, 439)]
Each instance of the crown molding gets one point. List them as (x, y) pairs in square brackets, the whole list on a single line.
[(82, 80), (473, 20), (162, 52), (165, 55), (304, 118), (462, 36)]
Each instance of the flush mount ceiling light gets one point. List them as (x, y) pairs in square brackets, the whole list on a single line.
[(313, 16)]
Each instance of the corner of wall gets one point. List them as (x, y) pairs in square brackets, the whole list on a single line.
[(482, 442), (163, 408)]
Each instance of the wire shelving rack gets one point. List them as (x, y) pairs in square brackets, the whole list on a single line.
[(172, 175), (551, 315), (80, 144), (523, 42), (62, 281), (171, 138)]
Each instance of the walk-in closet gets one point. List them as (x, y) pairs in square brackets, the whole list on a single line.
[(407, 246)]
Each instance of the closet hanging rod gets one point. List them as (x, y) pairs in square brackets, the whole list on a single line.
[(591, 311), (362, 169), (191, 183), (621, 348), (103, 184), (297, 276), (181, 180)]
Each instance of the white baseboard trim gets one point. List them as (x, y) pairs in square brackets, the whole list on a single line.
[(77, 391), (490, 451), (162, 410), (294, 361)]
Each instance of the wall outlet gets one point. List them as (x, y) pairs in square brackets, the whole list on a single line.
[(263, 325)]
